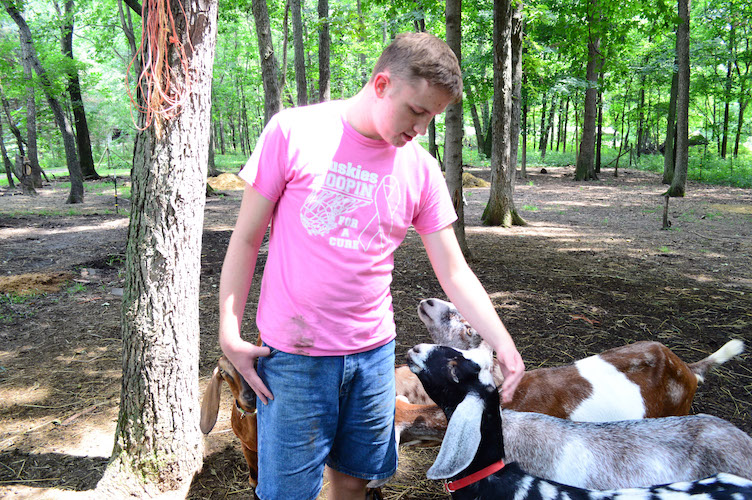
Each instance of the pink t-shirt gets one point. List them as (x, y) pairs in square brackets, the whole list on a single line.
[(344, 204)]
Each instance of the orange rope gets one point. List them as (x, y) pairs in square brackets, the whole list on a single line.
[(163, 94)]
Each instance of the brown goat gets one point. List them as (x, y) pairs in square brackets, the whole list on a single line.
[(243, 417)]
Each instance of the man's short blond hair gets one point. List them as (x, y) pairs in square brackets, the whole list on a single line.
[(422, 55)]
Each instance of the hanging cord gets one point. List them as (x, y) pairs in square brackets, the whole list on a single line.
[(162, 97)]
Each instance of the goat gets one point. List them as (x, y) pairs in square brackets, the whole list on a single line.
[(473, 450), (243, 419), (639, 380)]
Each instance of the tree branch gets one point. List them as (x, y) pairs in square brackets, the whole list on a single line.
[(134, 5)]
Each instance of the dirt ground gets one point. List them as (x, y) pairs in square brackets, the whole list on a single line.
[(592, 270)]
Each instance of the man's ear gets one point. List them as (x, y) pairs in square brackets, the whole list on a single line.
[(381, 84)]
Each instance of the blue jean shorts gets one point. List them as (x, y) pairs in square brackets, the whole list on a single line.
[(333, 410)]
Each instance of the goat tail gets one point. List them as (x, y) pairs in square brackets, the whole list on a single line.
[(729, 350), (210, 403)]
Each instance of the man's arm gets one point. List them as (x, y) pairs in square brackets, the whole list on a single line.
[(235, 283), (466, 292)]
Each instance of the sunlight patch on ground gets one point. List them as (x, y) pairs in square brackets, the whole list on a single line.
[(24, 396), (37, 233), (735, 209)]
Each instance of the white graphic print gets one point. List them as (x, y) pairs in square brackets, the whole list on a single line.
[(323, 208), (387, 199), (345, 189)]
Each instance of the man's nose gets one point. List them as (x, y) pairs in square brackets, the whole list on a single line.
[(421, 125)]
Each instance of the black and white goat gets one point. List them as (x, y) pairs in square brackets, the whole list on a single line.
[(472, 451)]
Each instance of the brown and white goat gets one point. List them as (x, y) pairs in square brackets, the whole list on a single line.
[(243, 419), (639, 380)]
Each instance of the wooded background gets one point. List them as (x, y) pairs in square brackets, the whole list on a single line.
[(74, 55)]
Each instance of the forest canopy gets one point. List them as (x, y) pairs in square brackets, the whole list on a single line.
[(96, 41)]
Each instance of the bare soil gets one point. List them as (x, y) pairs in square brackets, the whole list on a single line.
[(592, 270)]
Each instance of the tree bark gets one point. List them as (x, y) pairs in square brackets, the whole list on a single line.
[(514, 127), (32, 151), (324, 43), (20, 143), (76, 194), (454, 129), (269, 67), (669, 145), (297, 41), (158, 445), (585, 159), (679, 181), (6, 161), (83, 140), (500, 210)]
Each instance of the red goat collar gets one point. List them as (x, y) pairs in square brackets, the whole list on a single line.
[(475, 477)]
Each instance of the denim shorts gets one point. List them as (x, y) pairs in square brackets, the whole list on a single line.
[(333, 410)]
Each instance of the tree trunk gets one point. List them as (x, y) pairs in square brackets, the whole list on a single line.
[(678, 183), (76, 194), (32, 151), (523, 163), (20, 143), (83, 140), (476, 122), (297, 37), (518, 32), (742, 99), (599, 130), (543, 138), (585, 160), (324, 43), (500, 210), (566, 124), (158, 445), (454, 128), (269, 67), (669, 145), (727, 92), (6, 161)]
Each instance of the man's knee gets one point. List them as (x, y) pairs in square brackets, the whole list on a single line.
[(344, 486)]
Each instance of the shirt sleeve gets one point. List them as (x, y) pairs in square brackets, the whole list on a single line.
[(266, 169), (437, 210)]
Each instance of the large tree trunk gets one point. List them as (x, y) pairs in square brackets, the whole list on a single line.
[(585, 169), (324, 43), (500, 210), (297, 41), (454, 128), (76, 194), (158, 445), (679, 181), (83, 140), (32, 151), (669, 145), (269, 67), (514, 126)]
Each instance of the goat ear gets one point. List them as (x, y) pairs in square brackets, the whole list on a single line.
[(210, 403), (461, 440)]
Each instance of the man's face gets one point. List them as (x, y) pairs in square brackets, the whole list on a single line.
[(405, 108)]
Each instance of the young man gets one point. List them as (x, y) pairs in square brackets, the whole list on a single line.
[(341, 182)]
